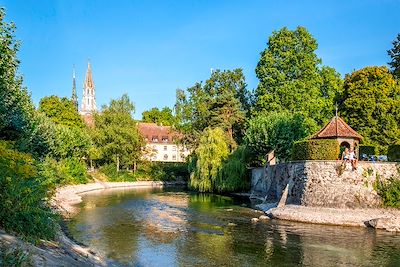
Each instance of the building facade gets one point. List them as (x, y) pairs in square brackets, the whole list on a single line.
[(161, 143)]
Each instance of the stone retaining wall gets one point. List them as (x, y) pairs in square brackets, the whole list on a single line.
[(318, 184)]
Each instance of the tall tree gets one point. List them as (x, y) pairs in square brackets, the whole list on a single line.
[(61, 111), (371, 105), (220, 102), (394, 54), (16, 108), (209, 156), (163, 116), (291, 78), (116, 134)]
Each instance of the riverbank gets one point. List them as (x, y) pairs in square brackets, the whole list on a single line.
[(63, 251), (385, 219)]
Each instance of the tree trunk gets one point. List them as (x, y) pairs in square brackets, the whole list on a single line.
[(117, 163), (134, 166)]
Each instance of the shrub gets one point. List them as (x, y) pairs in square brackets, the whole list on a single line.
[(23, 196), (389, 191), (63, 172), (368, 150), (316, 149), (110, 170), (394, 152)]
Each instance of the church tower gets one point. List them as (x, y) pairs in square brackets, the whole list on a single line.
[(89, 96), (74, 95)]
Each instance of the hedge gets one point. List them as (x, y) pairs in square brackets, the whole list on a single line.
[(316, 149), (394, 152), (367, 150)]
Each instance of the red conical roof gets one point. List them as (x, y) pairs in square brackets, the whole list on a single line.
[(336, 128)]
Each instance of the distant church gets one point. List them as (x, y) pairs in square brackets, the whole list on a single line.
[(88, 105)]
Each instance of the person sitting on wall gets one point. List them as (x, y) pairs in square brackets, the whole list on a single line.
[(345, 155), (353, 158)]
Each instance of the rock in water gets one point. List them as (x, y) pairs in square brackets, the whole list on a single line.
[(389, 224)]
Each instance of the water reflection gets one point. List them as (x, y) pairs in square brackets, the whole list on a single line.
[(156, 228)]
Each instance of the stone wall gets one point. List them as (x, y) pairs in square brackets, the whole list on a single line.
[(318, 184)]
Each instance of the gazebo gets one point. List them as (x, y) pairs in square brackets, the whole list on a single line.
[(341, 131)]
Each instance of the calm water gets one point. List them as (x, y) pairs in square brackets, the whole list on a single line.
[(165, 228)]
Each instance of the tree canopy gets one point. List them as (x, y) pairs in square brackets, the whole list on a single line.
[(61, 111), (371, 105), (116, 134), (161, 117), (222, 101), (292, 79), (394, 54)]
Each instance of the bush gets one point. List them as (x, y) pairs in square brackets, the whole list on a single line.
[(23, 196), (394, 152), (389, 191), (63, 172), (367, 150), (316, 149), (110, 170)]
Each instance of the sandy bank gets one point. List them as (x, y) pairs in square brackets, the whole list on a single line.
[(387, 219)]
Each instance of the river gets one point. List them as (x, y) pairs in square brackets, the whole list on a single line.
[(156, 227)]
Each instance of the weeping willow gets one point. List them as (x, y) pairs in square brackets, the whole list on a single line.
[(233, 175), (210, 154)]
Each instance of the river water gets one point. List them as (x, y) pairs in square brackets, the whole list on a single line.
[(155, 227)]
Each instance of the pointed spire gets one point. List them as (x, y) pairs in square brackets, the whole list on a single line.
[(74, 95), (89, 80)]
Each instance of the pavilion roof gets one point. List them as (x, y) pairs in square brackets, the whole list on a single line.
[(336, 128)]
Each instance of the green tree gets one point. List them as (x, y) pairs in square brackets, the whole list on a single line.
[(371, 105), (221, 102), (276, 131), (207, 162), (116, 134), (291, 78), (161, 117), (394, 54), (16, 107), (61, 111)]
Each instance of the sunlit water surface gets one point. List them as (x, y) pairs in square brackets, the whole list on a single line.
[(154, 227)]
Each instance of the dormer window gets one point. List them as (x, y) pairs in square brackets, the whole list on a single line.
[(154, 138), (165, 139)]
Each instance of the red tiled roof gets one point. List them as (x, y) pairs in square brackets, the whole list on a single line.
[(154, 133), (336, 128)]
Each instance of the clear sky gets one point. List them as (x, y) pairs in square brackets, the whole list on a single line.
[(148, 49)]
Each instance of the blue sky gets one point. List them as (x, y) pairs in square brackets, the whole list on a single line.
[(148, 49)]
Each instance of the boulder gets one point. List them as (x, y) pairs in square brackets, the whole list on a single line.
[(385, 223)]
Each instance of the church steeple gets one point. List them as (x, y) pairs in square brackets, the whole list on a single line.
[(74, 95), (89, 96)]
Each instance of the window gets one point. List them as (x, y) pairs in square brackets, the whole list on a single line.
[(154, 157), (165, 139), (154, 138), (173, 157), (174, 148), (165, 157), (165, 148)]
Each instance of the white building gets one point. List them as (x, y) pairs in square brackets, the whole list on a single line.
[(161, 143)]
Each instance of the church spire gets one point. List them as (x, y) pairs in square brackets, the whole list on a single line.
[(74, 95), (89, 96)]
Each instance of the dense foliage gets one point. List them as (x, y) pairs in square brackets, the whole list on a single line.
[(209, 156), (116, 135), (276, 131), (389, 191), (291, 78), (61, 111), (367, 150), (23, 194), (371, 105), (160, 117), (220, 102), (316, 149)]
